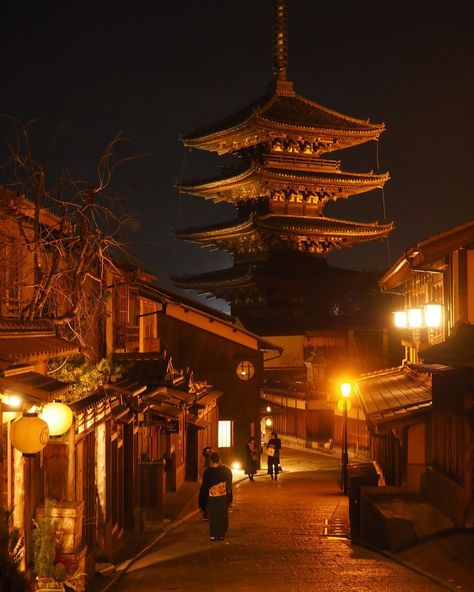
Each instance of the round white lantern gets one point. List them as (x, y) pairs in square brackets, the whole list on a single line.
[(58, 416), (29, 434)]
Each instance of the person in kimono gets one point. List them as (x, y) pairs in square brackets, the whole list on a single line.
[(251, 458), (215, 497)]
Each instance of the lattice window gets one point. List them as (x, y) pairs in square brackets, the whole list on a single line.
[(10, 278)]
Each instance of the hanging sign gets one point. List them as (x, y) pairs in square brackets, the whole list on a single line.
[(171, 427)]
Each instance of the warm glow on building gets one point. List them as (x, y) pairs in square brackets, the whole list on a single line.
[(415, 318), (225, 434), (433, 315), (400, 318)]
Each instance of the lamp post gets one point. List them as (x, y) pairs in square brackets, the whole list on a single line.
[(346, 389)]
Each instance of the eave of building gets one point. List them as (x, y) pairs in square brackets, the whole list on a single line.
[(224, 278), (261, 125), (456, 351), (427, 253), (190, 312), (388, 394), (21, 205), (258, 181), (297, 225), (235, 278)]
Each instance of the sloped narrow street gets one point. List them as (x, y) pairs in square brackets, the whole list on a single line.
[(284, 535)]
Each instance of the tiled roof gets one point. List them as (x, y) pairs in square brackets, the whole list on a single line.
[(317, 273), (143, 369), (93, 400), (457, 350), (26, 348), (35, 385), (308, 224), (391, 393), (289, 109), (293, 109), (254, 177), (9, 327)]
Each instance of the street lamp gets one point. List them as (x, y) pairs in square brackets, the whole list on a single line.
[(346, 389)]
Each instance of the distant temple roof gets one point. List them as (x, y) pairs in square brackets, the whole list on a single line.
[(324, 234), (285, 111), (258, 181)]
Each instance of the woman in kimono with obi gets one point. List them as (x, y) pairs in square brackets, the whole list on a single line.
[(215, 496)]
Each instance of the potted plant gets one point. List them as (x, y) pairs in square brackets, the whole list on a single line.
[(12, 579), (49, 573)]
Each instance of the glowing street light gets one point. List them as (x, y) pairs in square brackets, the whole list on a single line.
[(415, 318), (433, 315), (430, 316), (346, 389)]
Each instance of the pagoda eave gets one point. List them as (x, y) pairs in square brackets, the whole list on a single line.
[(259, 235), (260, 182), (262, 131), (286, 114)]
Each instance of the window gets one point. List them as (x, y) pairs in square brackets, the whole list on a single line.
[(10, 276), (245, 370), (225, 434)]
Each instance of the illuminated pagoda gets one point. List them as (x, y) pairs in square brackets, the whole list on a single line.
[(280, 238)]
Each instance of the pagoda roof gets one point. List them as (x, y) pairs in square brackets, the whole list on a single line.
[(283, 111), (326, 229), (259, 180), (243, 276)]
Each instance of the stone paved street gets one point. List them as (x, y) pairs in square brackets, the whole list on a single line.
[(276, 542)]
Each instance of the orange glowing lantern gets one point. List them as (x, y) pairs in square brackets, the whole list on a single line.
[(29, 434), (58, 416)]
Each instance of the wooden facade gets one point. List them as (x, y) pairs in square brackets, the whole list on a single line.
[(431, 447)]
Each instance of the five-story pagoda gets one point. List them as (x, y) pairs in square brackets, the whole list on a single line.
[(280, 238)]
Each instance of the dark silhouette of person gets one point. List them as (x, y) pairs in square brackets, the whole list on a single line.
[(273, 455), (251, 458), (215, 497)]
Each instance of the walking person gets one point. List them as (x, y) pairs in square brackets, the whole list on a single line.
[(215, 497), (206, 457), (251, 458), (273, 455)]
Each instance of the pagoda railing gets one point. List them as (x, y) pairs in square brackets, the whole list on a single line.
[(300, 162)]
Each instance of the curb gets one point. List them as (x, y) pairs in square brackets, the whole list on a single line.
[(393, 557), (129, 562)]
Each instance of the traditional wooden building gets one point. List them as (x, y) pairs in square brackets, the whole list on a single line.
[(145, 317), (25, 349), (280, 237), (222, 352), (422, 411)]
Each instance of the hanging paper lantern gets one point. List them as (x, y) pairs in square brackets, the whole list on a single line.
[(29, 434), (58, 416)]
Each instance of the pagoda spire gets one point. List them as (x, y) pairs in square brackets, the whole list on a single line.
[(280, 51)]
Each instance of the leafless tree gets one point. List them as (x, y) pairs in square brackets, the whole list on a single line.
[(71, 230)]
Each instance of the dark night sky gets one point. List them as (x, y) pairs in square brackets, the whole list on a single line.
[(154, 70)]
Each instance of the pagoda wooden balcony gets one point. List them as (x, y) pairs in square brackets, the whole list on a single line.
[(301, 162)]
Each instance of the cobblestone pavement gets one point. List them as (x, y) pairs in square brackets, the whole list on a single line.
[(278, 540)]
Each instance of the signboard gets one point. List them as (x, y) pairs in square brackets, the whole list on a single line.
[(171, 427)]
